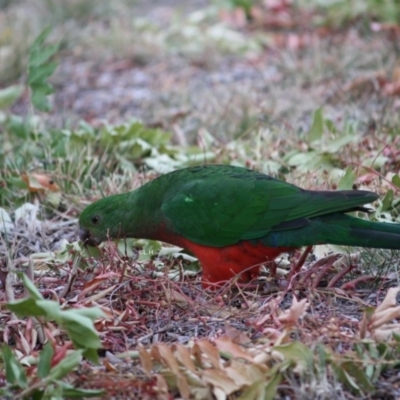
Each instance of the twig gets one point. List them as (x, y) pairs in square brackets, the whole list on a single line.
[(72, 277)]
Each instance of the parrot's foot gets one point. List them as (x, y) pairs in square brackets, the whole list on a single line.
[(366, 278), (319, 270), (300, 261)]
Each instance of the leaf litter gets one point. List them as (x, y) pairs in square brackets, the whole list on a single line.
[(161, 333)]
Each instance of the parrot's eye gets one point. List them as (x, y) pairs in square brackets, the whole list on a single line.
[(95, 220)]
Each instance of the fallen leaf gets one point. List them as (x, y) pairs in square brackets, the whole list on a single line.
[(292, 316), (184, 356), (244, 374), (145, 360), (39, 182), (236, 335), (226, 345), (163, 353), (219, 379), (379, 324), (205, 347), (389, 301), (108, 366), (384, 333)]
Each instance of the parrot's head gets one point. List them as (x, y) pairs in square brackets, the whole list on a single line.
[(100, 221)]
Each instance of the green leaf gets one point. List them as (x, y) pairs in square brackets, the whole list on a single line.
[(348, 380), (44, 364), (43, 55), (30, 287), (375, 162), (91, 313), (66, 365), (396, 180), (9, 95), (72, 392), (25, 307), (387, 200), (20, 127), (310, 161), (69, 391), (81, 330), (35, 308), (40, 68), (296, 352), (337, 144), (317, 128), (91, 355), (40, 74), (77, 322), (330, 126), (272, 386), (255, 391), (359, 376), (347, 180), (39, 99), (37, 44), (15, 374)]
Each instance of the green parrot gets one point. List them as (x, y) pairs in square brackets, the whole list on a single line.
[(234, 219)]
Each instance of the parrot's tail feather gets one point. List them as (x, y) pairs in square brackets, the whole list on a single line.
[(339, 229)]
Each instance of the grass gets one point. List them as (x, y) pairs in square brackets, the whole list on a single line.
[(313, 102)]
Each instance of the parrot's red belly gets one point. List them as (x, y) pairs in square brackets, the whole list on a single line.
[(220, 264)]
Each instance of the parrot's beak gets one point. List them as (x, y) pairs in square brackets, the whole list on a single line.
[(87, 238)]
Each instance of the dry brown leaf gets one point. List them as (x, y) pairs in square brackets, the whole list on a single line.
[(39, 183), (184, 356), (379, 323), (293, 314), (385, 332), (183, 386), (383, 317), (108, 366), (175, 296), (389, 301), (60, 352), (24, 343), (226, 345), (236, 335), (145, 360), (162, 387), (244, 374), (163, 353), (92, 285), (363, 326), (99, 295), (272, 333), (219, 379), (205, 347)]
